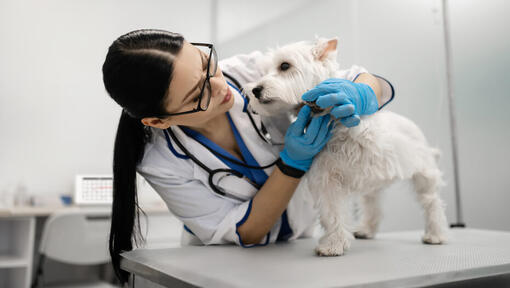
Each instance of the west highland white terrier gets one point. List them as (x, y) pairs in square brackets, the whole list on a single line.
[(359, 161)]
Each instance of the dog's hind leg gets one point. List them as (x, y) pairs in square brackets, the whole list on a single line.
[(336, 238), (427, 185), (371, 215)]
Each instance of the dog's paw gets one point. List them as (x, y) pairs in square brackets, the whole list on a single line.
[(364, 234), (329, 249), (434, 239), (332, 245)]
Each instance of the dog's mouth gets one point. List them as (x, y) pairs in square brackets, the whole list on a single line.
[(265, 101)]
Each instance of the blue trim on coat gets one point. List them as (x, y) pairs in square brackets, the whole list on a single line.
[(389, 83), (392, 90), (255, 175), (169, 143), (357, 76), (246, 99), (259, 175), (285, 230), (187, 229), (241, 223)]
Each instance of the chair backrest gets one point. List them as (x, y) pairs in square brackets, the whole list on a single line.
[(77, 236)]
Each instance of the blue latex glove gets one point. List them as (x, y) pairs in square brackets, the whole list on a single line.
[(300, 147), (350, 100)]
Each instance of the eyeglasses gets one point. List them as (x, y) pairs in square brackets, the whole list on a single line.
[(205, 92)]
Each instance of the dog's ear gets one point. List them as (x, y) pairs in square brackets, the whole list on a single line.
[(323, 47)]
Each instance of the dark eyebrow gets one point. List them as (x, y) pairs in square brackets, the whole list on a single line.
[(190, 92)]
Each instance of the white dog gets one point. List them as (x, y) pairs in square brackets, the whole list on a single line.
[(362, 160)]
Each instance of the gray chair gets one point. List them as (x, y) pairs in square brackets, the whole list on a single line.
[(77, 236)]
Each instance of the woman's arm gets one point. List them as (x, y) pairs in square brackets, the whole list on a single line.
[(373, 82), (268, 206)]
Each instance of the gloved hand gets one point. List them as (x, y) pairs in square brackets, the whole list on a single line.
[(300, 147), (350, 100)]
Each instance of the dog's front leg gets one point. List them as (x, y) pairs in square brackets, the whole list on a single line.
[(336, 238)]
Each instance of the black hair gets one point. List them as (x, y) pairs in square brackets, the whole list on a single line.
[(136, 74)]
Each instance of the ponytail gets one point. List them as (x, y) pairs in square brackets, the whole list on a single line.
[(136, 73), (128, 152)]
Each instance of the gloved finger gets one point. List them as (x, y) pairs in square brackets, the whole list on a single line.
[(327, 100), (342, 111), (323, 130), (314, 93), (313, 129), (320, 144), (299, 125), (350, 121)]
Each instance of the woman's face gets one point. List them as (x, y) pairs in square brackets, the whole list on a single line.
[(190, 69)]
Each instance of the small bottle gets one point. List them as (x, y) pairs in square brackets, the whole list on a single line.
[(7, 195), (21, 195)]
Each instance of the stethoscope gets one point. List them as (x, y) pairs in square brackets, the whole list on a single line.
[(227, 172), (264, 135)]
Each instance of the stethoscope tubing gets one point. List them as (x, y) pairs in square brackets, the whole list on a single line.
[(211, 172), (239, 86)]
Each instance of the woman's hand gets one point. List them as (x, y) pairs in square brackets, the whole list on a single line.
[(300, 147), (350, 100)]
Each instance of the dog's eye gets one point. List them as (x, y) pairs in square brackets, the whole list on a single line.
[(284, 66)]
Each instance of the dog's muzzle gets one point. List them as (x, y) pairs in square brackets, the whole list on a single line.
[(257, 92)]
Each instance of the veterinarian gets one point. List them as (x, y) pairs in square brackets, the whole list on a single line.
[(183, 120)]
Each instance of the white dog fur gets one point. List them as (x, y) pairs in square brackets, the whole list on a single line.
[(359, 161)]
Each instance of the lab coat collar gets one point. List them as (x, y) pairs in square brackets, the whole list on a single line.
[(262, 151)]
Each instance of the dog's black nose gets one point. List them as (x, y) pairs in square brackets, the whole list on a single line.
[(256, 91)]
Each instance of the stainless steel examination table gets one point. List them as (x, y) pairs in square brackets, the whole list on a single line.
[(472, 258)]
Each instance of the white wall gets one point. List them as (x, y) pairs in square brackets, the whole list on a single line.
[(57, 120), (481, 58)]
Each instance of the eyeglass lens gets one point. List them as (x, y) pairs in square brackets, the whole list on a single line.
[(206, 97), (213, 63), (213, 66)]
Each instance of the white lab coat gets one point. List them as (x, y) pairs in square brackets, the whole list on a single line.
[(183, 185)]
